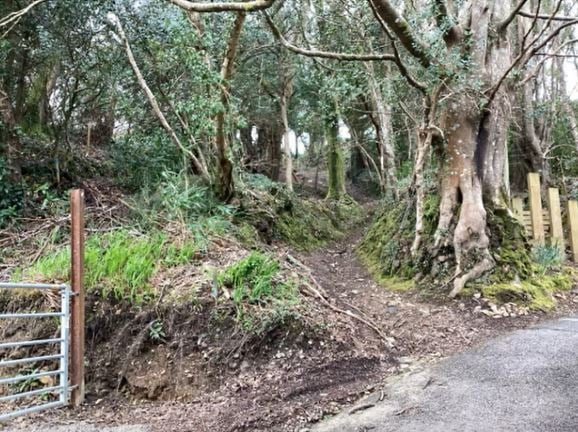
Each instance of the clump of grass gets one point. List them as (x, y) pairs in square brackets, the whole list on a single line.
[(118, 264), (262, 298), (548, 257)]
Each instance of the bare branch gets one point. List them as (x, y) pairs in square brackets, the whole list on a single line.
[(504, 24), (113, 19), (526, 54), (546, 17), (398, 25), (249, 6), (398, 61), (14, 18), (323, 54), (547, 56)]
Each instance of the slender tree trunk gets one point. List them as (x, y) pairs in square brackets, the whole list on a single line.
[(225, 185), (567, 103), (381, 117), (202, 169), (286, 92), (335, 161)]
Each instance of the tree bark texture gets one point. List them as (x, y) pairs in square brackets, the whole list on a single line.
[(335, 161)]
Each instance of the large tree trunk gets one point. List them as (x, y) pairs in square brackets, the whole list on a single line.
[(473, 173)]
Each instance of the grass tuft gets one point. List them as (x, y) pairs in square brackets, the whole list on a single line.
[(262, 298), (118, 264)]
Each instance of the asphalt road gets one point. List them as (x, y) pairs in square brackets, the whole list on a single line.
[(526, 381)]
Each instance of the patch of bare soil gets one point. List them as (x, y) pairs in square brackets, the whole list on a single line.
[(288, 381)]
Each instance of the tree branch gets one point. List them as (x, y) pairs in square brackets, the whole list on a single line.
[(14, 16), (556, 53), (452, 34), (526, 54), (249, 6), (113, 19), (505, 23), (546, 17), (398, 25), (323, 54), (398, 61)]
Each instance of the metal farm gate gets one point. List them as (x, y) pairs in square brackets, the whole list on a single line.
[(60, 385), (61, 344)]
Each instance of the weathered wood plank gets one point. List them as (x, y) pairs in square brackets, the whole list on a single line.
[(556, 230), (518, 207), (535, 203), (573, 224)]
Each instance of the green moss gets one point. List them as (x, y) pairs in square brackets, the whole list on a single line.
[(537, 293), (521, 276), (247, 234), (385, 248), (308, 224)]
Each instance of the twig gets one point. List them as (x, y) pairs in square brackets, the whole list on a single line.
[(389, 341)]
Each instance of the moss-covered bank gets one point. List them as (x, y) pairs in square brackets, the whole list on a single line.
[(305, 223), (518, 277)]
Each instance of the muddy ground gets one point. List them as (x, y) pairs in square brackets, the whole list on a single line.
[(287, 386)]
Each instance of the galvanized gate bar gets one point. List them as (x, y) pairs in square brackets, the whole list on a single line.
[(13, 380), (15, 285), (30, 360), (30, 393), (29, 343), (24, 411), (63, 388), (31, 315)]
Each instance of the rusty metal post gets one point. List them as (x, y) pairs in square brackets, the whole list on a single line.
[(77, 319)]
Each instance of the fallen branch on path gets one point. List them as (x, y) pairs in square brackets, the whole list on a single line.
[(320, 293), (388, 340)]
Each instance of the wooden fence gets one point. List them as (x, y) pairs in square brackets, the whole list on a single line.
[(544, 224)]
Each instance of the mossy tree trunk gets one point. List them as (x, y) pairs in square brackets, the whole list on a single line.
[(225, 186), (335, 161)]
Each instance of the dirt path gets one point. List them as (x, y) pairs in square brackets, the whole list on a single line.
[(289, 387)]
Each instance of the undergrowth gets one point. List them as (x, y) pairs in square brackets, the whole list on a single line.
[(263, 299)]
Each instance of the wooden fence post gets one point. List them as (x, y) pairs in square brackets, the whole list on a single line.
[(77, 321), (556, 230), (518, 208), (535, 202), (573, 224)]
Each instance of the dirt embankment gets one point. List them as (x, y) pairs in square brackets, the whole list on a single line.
[(199, 377)]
